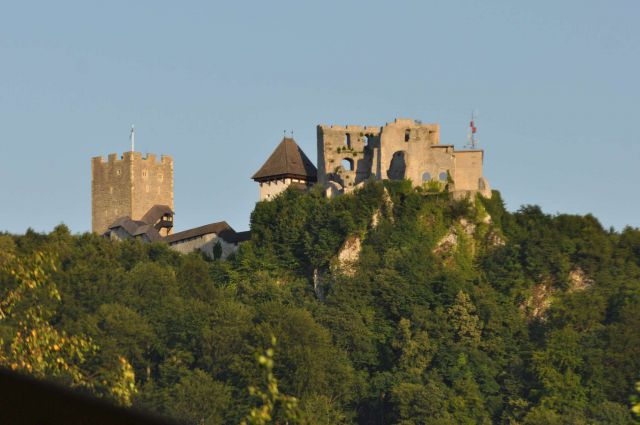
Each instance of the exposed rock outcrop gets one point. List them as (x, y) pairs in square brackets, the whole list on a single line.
[(349, 255), (468, 227), (537, 305), (376, 218), (578, 280), (318, 284), (494, 239), (448, 243)]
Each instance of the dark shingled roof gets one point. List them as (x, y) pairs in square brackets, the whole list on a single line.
[(127, 224), (149, 231), (222, 229), (241, 237), (136, 228), (287, 160), (155, 213)]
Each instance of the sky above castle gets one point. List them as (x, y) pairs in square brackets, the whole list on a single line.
[(214, 84)]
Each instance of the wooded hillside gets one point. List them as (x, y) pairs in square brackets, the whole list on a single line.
[(388, 306)]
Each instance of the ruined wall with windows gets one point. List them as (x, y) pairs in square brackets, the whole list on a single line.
[(128, 186), (403, 149), (347, 154)]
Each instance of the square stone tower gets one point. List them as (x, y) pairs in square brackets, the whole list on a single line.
[(128, 187)]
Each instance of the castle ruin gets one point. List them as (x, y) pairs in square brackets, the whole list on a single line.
[(404, 149)]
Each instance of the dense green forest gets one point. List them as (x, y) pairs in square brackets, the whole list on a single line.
[(389, 306)]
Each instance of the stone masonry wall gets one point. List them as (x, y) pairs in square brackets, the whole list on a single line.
[(468, 170), (128, 186), (272, 188), (152, 183), (358, 146), (403, 149), (206, 244), (414, 141)]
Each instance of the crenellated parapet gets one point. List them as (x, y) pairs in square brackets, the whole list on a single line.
[(151, 158), (350, 128)]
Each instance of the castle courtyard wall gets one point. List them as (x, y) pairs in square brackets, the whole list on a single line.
[(205, 243)]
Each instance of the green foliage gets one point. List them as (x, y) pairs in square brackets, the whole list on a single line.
[(455, 312), (635, 401), (467, 328), (38, 348), (433, 186), (197, 398), (217, 251), (274, 406)]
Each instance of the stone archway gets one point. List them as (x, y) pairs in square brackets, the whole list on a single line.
[(347, 164), (398, 166)]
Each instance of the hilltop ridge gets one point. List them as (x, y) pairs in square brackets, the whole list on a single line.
[(390, 304)]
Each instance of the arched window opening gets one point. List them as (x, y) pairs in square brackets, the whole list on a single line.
[(443, 176), (347, 164), (426, 177), (407, 135), (347, 140), (398, 166)]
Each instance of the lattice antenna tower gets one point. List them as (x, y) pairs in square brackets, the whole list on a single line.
[(472, 139)]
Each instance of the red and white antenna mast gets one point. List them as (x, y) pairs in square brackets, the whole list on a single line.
[(473, 140)]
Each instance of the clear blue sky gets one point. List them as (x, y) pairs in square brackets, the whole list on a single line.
[(214, 84)]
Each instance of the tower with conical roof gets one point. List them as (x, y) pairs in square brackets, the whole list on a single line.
[(287, 166)]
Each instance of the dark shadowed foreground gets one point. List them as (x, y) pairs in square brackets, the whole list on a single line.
[(27, 401)]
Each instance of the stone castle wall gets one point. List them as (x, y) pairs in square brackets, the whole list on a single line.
[(403, 149), (468, 171), (271, 188), (357, 145), (152, 183), (128, 186), (206, 244)]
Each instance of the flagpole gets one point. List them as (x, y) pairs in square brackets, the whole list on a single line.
[(133, 138)]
